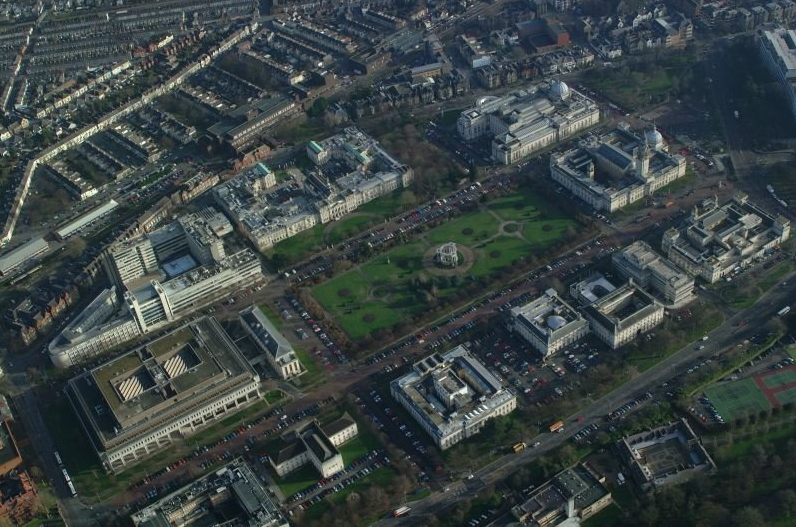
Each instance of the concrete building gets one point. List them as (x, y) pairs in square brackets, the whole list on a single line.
[(528, 120), (142, 402), (548, 323), (231, 495), (85, 220), (623, 314), (243, 125), (22, 256), (275, 347), (778, 49), (452, 396), (129, 260), (351, 169), (617, 169), (666, 455), (639, 262), (95, 330), (315, 444), (715, 240), (590, 290), (570, 497)]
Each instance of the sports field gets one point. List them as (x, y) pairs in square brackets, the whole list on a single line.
[(737, 399), (754, 394), (402, 283)]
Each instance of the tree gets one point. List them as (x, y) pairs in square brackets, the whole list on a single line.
[(472, 172), (318, 107), (748, 517)]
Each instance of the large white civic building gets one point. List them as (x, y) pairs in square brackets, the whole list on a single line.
[(617, 169), (623, 314), (528, 120), (778, 49), (548, 323), (452, 396), (638, 261), (715, 240)]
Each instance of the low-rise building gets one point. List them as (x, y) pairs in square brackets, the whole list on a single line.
[(315, 444), (452, 396), (715, 240), (231, 495), (617, 169), (590, 290), (666, 455), (548, 323), (623, 314), (639, 262), (85, 220), (351, 168), (22, 256), (574, 494), (275, 347), (144, 401), (528, 120)]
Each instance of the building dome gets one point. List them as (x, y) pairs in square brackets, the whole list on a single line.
[(556, 322), (559, 88), (653, 138)]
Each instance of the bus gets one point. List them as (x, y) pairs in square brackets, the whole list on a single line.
[(66, 476), (58, 459), (519, 447), (402, 511), (72, 488), (558, 426), (784, 311)]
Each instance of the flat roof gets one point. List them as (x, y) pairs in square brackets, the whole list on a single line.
[(16, 257)]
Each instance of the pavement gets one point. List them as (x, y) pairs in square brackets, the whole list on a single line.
[(725, 335)]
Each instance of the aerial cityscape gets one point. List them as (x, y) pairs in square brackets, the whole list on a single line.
[(398, 263)]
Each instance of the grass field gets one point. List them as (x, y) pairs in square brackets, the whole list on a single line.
[(298, 480), (351, 225), (314, 374), (737, 399), (394, 285), (357, 447)]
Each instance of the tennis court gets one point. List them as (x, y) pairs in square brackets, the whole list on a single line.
[(781, 378), (786, 396), (737, 399)]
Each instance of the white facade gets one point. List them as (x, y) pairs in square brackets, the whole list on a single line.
[(715, 240), (611, 323), (548, 323), (640, 262), (617, 169), (778, 49), (528, 120), (22, 255), (272, 343), (470, 396)]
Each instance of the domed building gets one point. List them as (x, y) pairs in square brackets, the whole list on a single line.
[(655, 140), (559, 89), (548, 323)]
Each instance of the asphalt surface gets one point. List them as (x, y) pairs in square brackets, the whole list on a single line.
[(725, 335)]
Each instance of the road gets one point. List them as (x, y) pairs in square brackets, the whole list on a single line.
[(651, 380), (72, 510)]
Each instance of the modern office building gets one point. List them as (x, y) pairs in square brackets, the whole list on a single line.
[(274, 346), (158, 303), (623, 314), (666, 455), (648, 269), (142, 402), (351, 169), (232, 495), (548, 323), (316, 445), (452, 396), (777, 47), (528, 120), (97, 329), (570, 497), (715, 240), (617, 168)]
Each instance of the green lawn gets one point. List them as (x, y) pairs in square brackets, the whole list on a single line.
[(299, 246), (351, 225), (498, 253), (381, 477), (393, 203), (298, 480), (394, 286), (359, 446), (605, 518), (469, 230), (315, 373), (737, 398)]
